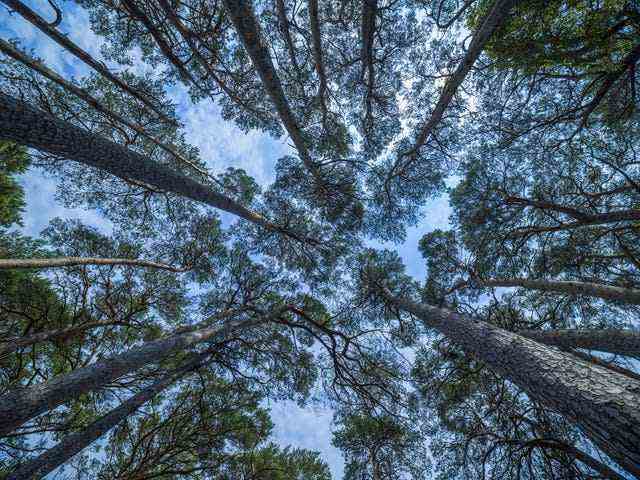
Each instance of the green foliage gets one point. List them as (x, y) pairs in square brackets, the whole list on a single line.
[(14, 160)]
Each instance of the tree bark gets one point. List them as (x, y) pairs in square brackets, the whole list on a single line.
[(26, 125), (246, 25), (491, 22), (85, 57), (22, 404), (76, 442), (595, 219), (317, 57), (39, 67), (604, 404), (13, 344), (589, 289), (619, 342), (10, 263), (367, 29)]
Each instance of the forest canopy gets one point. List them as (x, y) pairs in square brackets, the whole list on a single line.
[(151, 346)]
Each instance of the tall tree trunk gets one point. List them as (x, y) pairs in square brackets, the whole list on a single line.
[(39, 67), (490, 23), (619, 342), (32, 127), (589, 289), (367, 29), (10, 263), (316, 40), (64, 42), (13, 344), (246, 25), (76, 442), (604, 404), (631, 215), (23, 404), (283, 23)]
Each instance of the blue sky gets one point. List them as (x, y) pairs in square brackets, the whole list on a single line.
[(221, 145)]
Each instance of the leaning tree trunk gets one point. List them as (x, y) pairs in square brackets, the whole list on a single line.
[(619, 342), (604, 404), (490, 23), (64, 41), (76, 442), (93, 102), (241, 14), (57, 262), (607, 292), (12, 344), (23, 404), (26, 125)]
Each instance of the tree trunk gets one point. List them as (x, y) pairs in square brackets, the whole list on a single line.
[(619, 342), (13, 344), (317, 57), (9, 263), (34, 128), (39, 67), (589, 289), (85, 57), (76, 442), (631, 215), (491, 22), (610, 365), (23, 404), (604, 404), (367, 29), (246, 25)]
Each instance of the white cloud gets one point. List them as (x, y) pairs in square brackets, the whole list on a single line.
[(308, 428)]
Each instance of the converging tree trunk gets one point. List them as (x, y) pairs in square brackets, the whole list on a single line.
[(604, 404), (496, 15), (23, 404), (589, 289), (12, 344), (64, 41), (244, 20), (619, 342), (58, 262), (39, 67), (26, 125), (76, 442)]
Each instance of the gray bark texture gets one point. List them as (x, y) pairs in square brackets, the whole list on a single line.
[(39, 67), (13, 344), (604, 404), (246, 25), (491, 22), (22, 404), (34, 128), (63, 40), (607, 292), (57, 262), (76, 442), (619, 342)]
